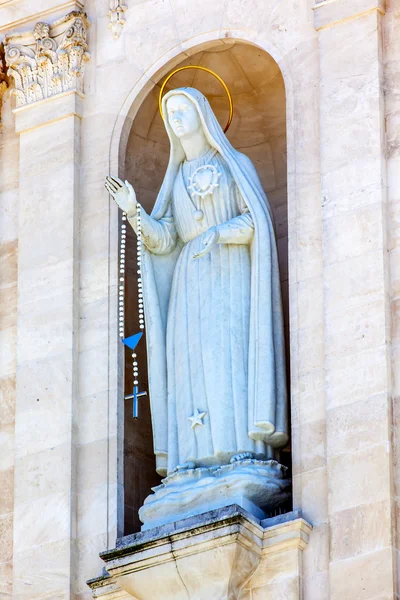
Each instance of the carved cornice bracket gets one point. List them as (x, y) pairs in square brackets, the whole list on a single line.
[(50, 60), (116, 14)]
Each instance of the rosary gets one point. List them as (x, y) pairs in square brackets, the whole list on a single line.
[(132, 341)]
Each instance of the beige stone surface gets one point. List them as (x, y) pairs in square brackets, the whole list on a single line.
[(353, 434), (43, 571), (366, 576), (289, 589), (309, 446), (311, 494), (360, 530)]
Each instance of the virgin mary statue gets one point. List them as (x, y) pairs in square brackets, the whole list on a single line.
[(212, 300)]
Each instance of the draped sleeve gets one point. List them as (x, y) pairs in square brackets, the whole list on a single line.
[(158, 235), (240, 229)]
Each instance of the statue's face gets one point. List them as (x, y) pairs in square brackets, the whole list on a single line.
[(182, 116)]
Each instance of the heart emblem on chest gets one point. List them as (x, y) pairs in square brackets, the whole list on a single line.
[(204, 181), (204, 178)]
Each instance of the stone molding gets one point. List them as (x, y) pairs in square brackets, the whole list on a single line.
[(21, 13), (49, 110), (212, 555), (328, 13), (116, 15), (48, 61), (106, 587)]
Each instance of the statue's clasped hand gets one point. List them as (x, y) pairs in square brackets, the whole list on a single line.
[(209, 239)]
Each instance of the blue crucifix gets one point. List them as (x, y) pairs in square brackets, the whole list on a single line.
[(132, 342)]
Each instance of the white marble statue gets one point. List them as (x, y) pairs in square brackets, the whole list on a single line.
[(213, 309)]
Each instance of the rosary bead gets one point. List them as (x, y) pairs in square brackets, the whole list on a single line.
[(121, 299)]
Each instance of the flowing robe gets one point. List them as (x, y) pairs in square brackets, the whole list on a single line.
[(208, 319), (174, 376)]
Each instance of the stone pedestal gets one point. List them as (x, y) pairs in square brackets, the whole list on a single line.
[(222, 554), (255, 485)]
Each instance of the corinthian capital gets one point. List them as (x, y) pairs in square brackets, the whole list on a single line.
[(49, 60)]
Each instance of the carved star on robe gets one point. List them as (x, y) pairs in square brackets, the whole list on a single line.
[(197, 418)]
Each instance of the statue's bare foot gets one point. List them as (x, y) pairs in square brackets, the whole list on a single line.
[(242, 456), (185, 467)]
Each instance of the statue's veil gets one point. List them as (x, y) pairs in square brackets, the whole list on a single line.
[(267, 395)]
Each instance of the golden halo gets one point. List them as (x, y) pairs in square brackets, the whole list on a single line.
[(222, 82)]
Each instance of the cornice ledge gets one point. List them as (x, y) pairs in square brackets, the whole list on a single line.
[(106, 586), (23, 10), (49, 60), (329, 13), (293, 534)]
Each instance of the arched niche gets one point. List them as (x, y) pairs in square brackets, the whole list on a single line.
[(258, 130)]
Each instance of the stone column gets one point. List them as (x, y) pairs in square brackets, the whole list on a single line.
[(46, 67), (356, 296)]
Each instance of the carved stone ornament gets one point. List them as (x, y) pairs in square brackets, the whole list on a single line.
[(50, 60), (116, 16)]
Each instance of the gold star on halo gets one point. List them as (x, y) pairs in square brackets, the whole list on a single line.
[(197, 418)]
